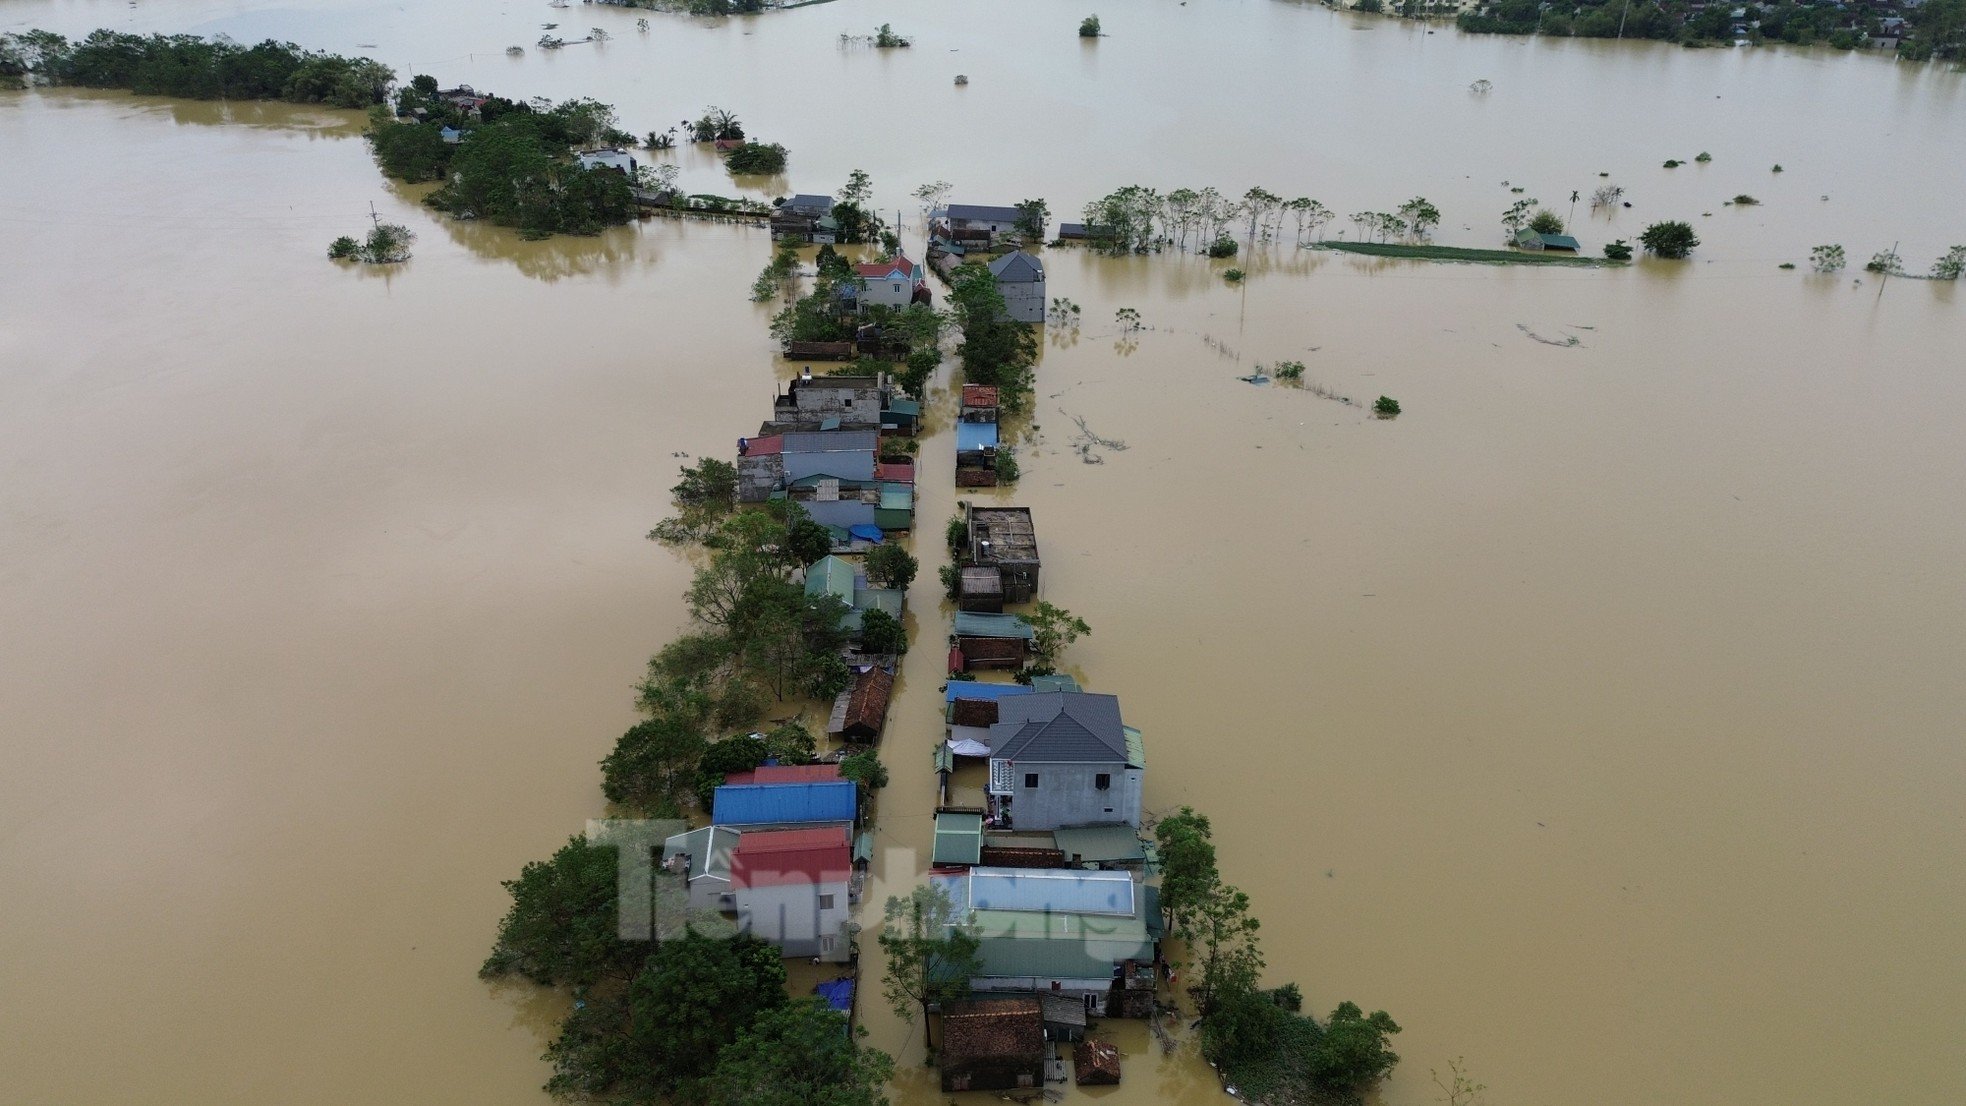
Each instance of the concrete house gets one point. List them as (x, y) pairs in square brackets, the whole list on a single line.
[(1003, 549), (1020, 278), (619, 160), (791, 888), (980, 222), (813, 403), (1064, 759), (702, 858), (892, 283)]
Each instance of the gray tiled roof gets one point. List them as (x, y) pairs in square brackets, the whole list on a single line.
[(1061, 727)]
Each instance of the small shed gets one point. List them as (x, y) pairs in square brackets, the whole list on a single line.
[(992, 640), (993, 1045), (1096, 1063), (958, 838), (1100, 845), (981, 589), (860, 712), (1064, 1016)]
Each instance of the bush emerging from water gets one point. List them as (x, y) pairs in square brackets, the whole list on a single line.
[(1386, 407), (1223, 246), (1233, 276), (1670, 239), (756, 158), (1089, 27), (1618, 251)]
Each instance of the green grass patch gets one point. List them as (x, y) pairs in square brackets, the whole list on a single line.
[(1458, 253)]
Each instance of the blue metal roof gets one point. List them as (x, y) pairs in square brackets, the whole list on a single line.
[(765, 804), (971, 689), (971, 436)]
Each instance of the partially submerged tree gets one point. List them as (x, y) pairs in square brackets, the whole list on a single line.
[(1052, 629), (1827, 259), (930, 953), (563, 926), (800, 1054)]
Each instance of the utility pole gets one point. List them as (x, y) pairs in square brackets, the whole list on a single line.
[(1884, 278)]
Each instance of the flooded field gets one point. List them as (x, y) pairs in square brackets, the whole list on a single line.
[(1597, 717)]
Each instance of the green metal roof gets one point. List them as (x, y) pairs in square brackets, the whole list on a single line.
[(879, 599), (1067, 946), (905, 407), (1136, 749), (958, 837), (1055, 682), (945, 759), (863, 846), (830, 576), (977, 624)]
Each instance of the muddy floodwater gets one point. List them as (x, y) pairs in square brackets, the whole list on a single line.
[(1599, 718)]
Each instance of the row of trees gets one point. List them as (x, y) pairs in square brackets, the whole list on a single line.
[(196, 68), (699, 1014), (1136, 219), (1949, 266), (1933, 29), (996, 349), (1258, 1037)]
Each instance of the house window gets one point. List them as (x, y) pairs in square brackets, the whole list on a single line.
[(1030, 779), (825, 902), (1102, 781)]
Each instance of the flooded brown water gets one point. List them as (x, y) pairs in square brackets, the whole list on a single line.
[(1597, 717)]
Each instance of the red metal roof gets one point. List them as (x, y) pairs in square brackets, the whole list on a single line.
[(979, 395), (897, 472), (773, 858), (883, 268), (766, 446), (786, 773)]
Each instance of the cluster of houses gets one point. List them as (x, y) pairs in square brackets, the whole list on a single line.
[(780, 858), (1044, 861), (958, 230), (825, 447)]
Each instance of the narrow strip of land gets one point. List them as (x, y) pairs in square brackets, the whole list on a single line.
[(1463, 254)]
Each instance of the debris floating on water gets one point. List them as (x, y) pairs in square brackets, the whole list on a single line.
[(1566, 342)]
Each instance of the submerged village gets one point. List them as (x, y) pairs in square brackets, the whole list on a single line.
[(873, 778)]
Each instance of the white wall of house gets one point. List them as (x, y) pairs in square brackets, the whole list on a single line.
[(1070, 795), (886, 293), (803, 919), (1024, 299)]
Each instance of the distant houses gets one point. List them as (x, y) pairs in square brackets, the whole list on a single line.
[(1533, 240), (805, 218), (978, 224), (1020, 279), (621, 161)]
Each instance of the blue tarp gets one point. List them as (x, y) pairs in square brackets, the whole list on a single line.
[(866, 532), (767, 804), (838, 993), (972, 436), (970, 689)]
